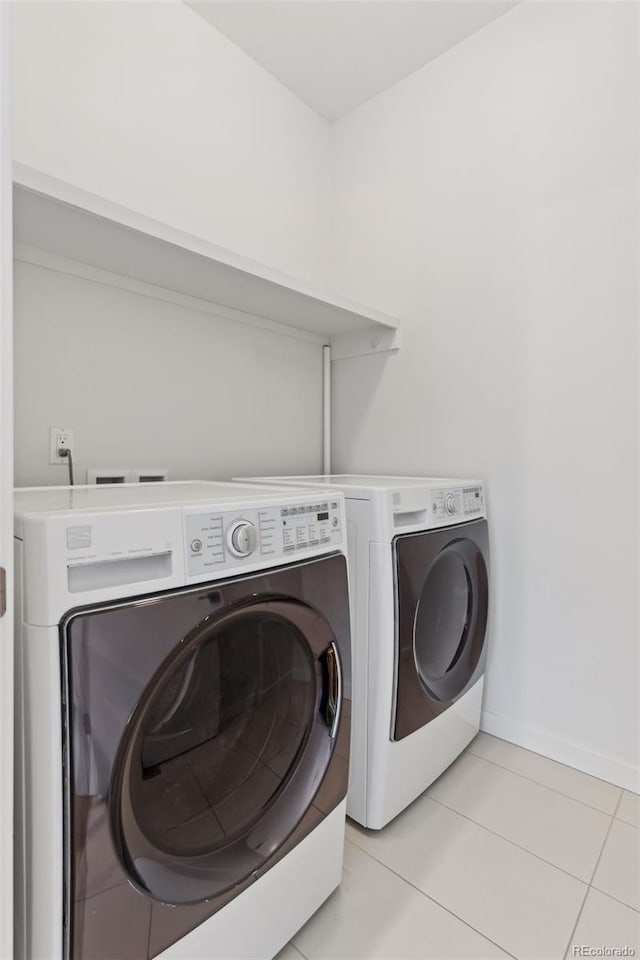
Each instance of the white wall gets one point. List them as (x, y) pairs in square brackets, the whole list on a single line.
[(6, 505), (146, 383), (490, 200), (146, 105)]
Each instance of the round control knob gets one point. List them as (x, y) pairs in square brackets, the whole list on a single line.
[(450, 504), (242, 538)]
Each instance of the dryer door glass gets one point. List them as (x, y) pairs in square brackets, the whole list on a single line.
[(450, 621), (443, 617)]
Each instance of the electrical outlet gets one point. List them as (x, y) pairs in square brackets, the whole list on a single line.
[(59, 437)]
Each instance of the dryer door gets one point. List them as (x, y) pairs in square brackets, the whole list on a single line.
[(442, 604)]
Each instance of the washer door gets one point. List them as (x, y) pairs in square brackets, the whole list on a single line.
[(226, 750), (442, 600), (204, 740)]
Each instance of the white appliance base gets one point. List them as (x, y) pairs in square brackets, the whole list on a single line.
[(401, 770), (264, 917)]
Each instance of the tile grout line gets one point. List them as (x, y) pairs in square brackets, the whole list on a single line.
[(512, 842), (610, 896), (589, 886), (543, 756), (298, 931), (516, 773), (432, 899), (111, 886), (636, 826)]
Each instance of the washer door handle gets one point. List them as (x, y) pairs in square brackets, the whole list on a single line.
[(332, 694)]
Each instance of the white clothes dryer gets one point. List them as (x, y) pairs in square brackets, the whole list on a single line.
[(183, 740), (419, 570)]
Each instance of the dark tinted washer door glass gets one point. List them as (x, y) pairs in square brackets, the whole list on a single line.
[(223, 754)]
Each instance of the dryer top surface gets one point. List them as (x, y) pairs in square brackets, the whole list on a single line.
[(366, 487)]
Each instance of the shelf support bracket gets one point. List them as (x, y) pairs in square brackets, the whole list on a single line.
[(365, 343)]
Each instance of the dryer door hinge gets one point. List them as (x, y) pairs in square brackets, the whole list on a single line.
[(3, 591)]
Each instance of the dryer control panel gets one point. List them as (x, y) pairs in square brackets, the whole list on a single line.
[(455, 504), (219, 540)]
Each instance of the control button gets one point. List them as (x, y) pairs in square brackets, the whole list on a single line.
[(450, 504), (242, 538), (334, 522), (196, 545)]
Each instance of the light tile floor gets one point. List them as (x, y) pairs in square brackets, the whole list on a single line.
[(508, 854)]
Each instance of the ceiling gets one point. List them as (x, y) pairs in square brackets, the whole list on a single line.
[(335, 54)]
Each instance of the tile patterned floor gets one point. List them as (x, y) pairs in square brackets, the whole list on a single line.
[(508, 854)]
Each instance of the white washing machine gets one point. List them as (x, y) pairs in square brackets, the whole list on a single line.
[(183, 738), (419, 568)]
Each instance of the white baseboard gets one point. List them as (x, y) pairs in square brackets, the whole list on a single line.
[(572, 754)]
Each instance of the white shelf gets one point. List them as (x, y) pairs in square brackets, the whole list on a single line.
[(73, 226)]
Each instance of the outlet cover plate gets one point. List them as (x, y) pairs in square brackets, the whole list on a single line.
[(59, 437)]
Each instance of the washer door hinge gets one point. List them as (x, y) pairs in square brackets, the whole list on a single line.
[(3, 591)]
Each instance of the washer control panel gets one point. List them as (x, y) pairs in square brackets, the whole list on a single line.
[(455, 504), (215, 540)]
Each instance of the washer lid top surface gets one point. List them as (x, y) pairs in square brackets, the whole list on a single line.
[(96, 498)]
